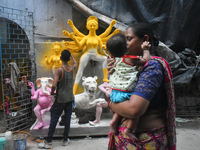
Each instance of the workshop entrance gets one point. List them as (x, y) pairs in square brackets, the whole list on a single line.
[(17, 59)]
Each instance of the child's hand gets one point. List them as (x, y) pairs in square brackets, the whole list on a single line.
[(145, 45)]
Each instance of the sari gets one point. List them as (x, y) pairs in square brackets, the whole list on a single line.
[(161, 138)]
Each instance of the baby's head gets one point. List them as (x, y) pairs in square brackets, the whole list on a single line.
[(116, 45), (65, 55)]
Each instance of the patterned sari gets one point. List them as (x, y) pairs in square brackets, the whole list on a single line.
[(163, 138)]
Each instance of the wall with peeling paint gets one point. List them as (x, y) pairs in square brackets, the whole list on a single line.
[(50, 16), (50, 19)]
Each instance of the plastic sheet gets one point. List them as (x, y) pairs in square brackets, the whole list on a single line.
[(175, 22)]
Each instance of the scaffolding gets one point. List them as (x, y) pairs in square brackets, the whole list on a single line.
[(17, 58)]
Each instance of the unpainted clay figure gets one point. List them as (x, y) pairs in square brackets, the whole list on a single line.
[(104, 87)]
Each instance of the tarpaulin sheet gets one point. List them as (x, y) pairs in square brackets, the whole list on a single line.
[(175, 22)]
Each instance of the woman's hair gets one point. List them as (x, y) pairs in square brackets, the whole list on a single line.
[(65, 55), (116, 45), (142, 29)]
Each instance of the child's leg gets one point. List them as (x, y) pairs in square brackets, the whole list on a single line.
[(114, 123), (132, 123)]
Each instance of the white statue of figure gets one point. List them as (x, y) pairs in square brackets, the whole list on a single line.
[(104, 87), (87, 99)]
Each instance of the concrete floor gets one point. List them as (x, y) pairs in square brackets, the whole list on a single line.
[(188, 135), (76, 130)]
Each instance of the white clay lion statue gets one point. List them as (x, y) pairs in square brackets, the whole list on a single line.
[(87, 99)]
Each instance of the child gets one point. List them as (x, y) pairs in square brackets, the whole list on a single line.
[(123, 80)]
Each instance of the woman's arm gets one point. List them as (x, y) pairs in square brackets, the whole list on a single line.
[(150, 80), (133, 108)]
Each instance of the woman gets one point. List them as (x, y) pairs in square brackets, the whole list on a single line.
[(152, 101)]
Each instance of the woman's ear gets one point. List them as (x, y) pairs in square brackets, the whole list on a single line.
[(146, 38)]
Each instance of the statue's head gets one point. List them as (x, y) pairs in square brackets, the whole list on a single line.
[(57, 47), (92, 23)]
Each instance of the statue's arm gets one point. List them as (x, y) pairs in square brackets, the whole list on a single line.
[(108, 30), (101, 45), (32, 87), (48, 61), (107, 38), (75, 30), (80, 44), (35, 96), (66, 33)]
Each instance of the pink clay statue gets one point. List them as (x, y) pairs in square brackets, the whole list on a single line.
[(44, 100)]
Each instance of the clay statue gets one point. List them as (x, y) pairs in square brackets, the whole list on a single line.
[(90, 42), (87, 99), (44, 98), (55, 59), (107, 91)]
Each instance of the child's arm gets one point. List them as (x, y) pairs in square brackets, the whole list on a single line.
[(146, 54), (146, 47)]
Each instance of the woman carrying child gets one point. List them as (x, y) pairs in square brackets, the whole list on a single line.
[(151, 106)]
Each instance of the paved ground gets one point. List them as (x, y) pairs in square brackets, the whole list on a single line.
[(188, 135)]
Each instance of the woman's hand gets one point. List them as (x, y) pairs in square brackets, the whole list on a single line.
[(111, 65)]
